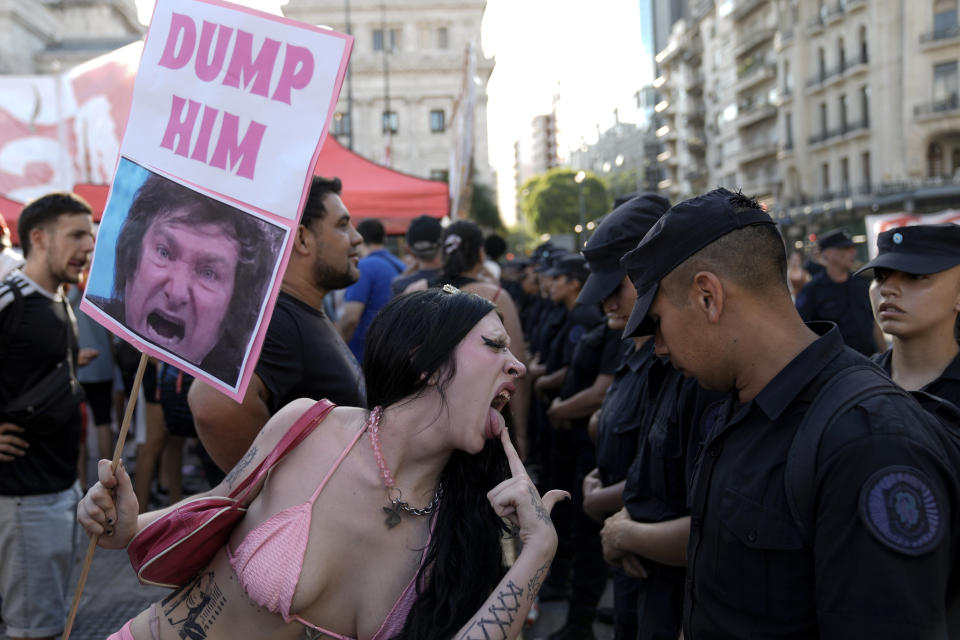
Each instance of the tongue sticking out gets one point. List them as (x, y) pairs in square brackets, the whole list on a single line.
[(495, 424)]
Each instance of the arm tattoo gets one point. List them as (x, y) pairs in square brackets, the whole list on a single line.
[(240, 466), (193, 608), (538, 505), (533, 587), (495, 622)]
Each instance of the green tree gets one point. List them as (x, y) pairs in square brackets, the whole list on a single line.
[(483, 208), (551, 201)]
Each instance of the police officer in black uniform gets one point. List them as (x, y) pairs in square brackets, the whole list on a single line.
[(913, 264), (875, 559), (837, 296)]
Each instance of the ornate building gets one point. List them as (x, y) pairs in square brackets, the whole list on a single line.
[(407, 74), (43, 36)]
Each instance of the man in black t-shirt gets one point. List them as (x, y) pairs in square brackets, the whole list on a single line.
[(38, 460), (303, 354)]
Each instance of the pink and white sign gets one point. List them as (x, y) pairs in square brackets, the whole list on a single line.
[(877, 224), (230, 107)]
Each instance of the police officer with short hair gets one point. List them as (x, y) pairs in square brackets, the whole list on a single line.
[(875, 559), (839, 297)]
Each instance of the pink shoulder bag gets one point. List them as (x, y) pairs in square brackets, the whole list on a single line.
[(172, 549)]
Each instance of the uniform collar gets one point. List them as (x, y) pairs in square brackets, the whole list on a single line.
[(952, 372), (793, 378), (639, 358)]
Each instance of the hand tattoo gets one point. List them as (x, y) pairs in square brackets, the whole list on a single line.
[(240, 466), (542, 514), (498, 618)]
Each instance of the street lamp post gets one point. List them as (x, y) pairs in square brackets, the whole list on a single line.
[(581, 175)]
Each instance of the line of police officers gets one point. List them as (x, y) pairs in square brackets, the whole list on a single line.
[(671, 418)]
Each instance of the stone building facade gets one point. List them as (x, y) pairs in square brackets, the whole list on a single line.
[(424, 45), (827, 110), (45, 36)]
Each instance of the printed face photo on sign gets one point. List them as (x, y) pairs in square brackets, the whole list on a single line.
[(189, 273)]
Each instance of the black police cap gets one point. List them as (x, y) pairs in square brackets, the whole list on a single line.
[(619, 232), (920, 249), (684, 230), (835, 239), (549, 258), (571, 265)]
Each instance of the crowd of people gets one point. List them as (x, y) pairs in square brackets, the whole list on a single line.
[(753, 445)]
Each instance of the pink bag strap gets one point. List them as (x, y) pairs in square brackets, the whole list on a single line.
[(296, 434)]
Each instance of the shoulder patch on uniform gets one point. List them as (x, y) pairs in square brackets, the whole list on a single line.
[(576, 332), (901, 510)]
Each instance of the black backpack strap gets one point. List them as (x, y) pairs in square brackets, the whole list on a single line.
[(844, 390), (12, 321)]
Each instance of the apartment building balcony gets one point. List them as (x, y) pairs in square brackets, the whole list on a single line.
[(784, 39), (949, 106), (854, 5), (836, 12), (753, 74), (847, 131), (753, 40), (815, 25), (757, 152), (937, 38), (784, 96), (754, 114), (825, 78), (856, 66), (744, 8), (786, 151)]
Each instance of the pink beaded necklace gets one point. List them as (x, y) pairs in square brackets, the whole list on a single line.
[(397, 504)]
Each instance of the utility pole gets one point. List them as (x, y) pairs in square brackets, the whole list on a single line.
[(349, 84)]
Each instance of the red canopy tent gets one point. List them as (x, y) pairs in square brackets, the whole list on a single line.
[(371, 190)]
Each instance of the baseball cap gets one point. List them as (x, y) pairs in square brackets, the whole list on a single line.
[(423, 236), (618, 233), (684, 230), (835, 239), (571, 265), (920, 249)]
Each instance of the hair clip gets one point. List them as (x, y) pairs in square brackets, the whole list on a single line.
[(451, 243), (449, 288)]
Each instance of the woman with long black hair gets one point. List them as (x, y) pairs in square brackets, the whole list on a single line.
[(395, 537)]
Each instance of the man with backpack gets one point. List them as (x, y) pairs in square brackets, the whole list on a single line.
[(40, 419), (840, 527)]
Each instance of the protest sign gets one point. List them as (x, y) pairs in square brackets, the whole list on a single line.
[(230, 107)]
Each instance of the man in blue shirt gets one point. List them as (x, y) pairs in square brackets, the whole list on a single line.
[(367, 295)]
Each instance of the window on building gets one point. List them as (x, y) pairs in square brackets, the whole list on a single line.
[(845, 176), (440, 174), (843, 112), (864, 58), (443, 38), (788, 125), (955, 161), (438, 122), (822, 63), (841, 55), (822, 10), (787, 78), (823, 119), (341, 123), (825, 179), (865, 105), (945, 84), (944, 17), (934, 160), (865, 171), (391, 123), (392, 39)]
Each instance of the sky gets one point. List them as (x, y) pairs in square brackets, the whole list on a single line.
[(589, 54)]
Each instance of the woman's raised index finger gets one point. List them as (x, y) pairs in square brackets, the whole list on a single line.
[(516, 465)]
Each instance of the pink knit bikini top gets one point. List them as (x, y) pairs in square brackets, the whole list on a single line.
[(269, 561)]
